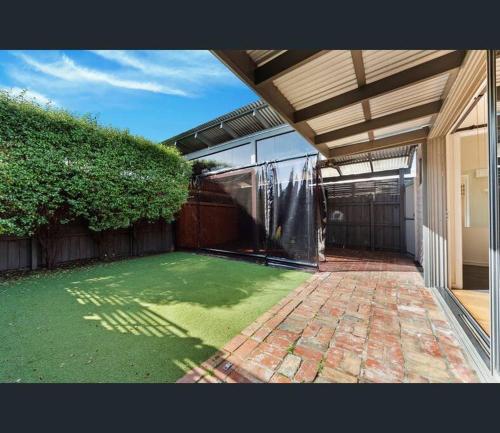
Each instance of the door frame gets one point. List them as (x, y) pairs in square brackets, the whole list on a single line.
[(454, 203)]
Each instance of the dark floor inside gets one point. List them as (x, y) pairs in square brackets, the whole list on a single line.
[(475, 277)]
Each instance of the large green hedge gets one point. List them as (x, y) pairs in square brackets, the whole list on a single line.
[(55, 167)]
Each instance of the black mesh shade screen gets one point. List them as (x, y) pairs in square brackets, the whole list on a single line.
[(268, 210)]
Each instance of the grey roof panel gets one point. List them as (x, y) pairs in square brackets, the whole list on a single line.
[(242, 122)]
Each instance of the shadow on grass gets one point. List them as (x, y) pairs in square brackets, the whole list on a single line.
[(178, 278), (120, 322)]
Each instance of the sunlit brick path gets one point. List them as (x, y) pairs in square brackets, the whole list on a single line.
[(364, 318)]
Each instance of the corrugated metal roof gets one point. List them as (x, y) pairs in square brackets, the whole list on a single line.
[(326, 76), (329, 172), (403, 127), (356, 168), (263, 56), (393, 152), (333, 74), (349, 140), (381, 160), (390, 164), (408, 97), (241, 121), (382, 63), (338, 119)]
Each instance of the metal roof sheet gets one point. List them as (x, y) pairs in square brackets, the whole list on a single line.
[(241, 121), (382, 63), (356, 168), (261, 57), (333, 73), (393, 152), (326, 76), (349, 140), (390, 164), (408, 97), (403, 127), (381, 160), (337, 119), (329, 172)]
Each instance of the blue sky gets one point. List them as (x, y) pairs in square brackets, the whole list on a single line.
[(156, 94)]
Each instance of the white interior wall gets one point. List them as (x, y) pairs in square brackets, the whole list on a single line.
[(475, 237)]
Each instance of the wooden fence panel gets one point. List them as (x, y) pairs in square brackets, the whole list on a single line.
[(120, 244), (186, 226), (364, 215), (199, 225), (76, 242), (153, 238), (15, 253)]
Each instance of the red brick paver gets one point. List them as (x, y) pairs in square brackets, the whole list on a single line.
[(365, 318)]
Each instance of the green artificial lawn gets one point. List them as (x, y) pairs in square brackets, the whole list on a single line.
[(148, 319)]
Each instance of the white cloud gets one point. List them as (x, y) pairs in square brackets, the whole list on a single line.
[(30, 95), (66, 69), (192, 66)]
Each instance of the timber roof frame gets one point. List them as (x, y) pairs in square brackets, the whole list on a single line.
[(278, 80)]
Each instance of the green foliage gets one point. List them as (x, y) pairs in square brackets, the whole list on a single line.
[(55, 167)]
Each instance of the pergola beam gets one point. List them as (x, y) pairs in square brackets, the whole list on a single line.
[(385, 85), (284, 63), (397, 140), (380, 122)]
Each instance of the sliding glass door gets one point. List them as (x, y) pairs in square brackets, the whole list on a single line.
[(493, 65)]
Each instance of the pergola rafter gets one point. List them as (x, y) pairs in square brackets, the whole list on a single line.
[(283, 64)]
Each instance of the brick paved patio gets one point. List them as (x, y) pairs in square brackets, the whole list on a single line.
[(366, 317)]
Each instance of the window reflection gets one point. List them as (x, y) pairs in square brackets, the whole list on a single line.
[(240, 156), (282, 146)]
